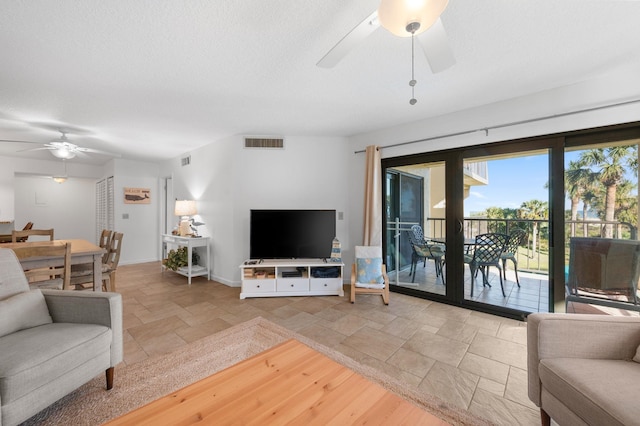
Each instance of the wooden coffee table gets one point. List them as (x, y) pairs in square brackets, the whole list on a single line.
[(289, 383)]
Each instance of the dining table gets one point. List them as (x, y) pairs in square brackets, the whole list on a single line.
[(82, 252)]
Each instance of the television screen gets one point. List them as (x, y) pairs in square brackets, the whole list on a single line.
[(291, 234)]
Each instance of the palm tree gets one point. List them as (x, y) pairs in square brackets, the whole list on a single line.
[(612, 164), (578, 178), (534, 210)]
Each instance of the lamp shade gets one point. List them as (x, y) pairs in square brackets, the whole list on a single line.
[(395, 15), (185, 208)]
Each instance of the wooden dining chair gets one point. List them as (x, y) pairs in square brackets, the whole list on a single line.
[(82, 277), (49, 272), (22, 236), (105, 243), (113, 258)]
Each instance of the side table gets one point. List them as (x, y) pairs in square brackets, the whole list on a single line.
[(189, 242)]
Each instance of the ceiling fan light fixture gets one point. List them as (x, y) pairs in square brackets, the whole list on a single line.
[(63, 153), (396, 16)]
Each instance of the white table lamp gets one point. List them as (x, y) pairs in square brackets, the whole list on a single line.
[(185, 208)]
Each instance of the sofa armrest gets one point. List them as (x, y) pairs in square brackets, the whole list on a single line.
[(577, 336), (89, 307)]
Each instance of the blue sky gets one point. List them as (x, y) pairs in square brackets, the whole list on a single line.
[(511, 182)]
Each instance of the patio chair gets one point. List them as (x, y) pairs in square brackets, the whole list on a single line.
[(517, 238), (486, 253), (604, 271), (369, 274), (421, 250)]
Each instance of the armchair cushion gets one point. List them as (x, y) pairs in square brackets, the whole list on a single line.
[(55, 351), (23, 310), (602, 391)]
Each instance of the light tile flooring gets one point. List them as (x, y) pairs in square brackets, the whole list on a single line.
[(473, 360)]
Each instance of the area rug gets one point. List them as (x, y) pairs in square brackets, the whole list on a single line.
[(146, 381)]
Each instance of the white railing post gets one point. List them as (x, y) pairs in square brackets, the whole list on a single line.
[(396, 237)]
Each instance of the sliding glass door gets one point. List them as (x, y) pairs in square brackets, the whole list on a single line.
[(415, 224), (532, 195), (601, 192), (506, 231), (437, 204)]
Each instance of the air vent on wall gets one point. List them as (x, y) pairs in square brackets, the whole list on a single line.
[(276, 143), (185, 161)]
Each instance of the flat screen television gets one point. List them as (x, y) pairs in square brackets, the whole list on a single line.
[(291, 234)]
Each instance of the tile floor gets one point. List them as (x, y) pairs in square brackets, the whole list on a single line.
[(473, 360)]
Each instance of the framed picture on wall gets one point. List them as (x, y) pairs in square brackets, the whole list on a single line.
[(137, 196)]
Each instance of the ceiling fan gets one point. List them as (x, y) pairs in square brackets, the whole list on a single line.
[(62, 148), (404, 18)]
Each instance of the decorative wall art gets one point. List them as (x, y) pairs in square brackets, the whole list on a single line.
[(137, 196)]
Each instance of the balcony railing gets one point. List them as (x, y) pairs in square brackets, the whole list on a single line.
[(534, 255)]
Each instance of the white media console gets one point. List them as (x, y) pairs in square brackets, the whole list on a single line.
[(299, 277)]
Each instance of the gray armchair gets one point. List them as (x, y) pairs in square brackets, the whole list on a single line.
[(581, 368), (51, 341)]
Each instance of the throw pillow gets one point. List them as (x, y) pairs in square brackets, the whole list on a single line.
[(369, 270), (23, 310)]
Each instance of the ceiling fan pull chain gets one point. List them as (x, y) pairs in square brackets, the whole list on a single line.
[(412, 28)]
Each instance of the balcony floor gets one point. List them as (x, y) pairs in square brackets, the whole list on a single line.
[(532, 296)]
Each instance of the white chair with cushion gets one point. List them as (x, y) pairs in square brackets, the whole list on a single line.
[(51, 341), (368, 274)]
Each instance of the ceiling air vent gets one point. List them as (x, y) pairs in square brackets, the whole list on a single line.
[(276, 143), (185, 161)]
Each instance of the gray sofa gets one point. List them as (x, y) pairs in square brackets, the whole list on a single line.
[(51, 341), (581, 368)]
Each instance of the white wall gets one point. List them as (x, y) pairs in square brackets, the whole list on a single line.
[(6, 189), (141, 229), (229, 181), (10, 166), (68, 208)]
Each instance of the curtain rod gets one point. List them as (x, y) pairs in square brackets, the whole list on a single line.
[(513, 123)]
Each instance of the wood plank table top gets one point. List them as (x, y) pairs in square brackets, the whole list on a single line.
[(78, 247), (287, 384)]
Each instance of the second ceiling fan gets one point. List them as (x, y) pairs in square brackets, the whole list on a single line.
[(62, 148)]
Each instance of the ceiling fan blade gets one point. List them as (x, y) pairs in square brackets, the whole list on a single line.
[(435, 45), (97, 151), (13, 141), (349, 41), (33, 149)]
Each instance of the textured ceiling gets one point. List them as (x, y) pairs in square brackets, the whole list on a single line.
[(152, 79)]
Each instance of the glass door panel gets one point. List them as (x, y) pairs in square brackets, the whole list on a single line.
[(601, 193), (507, 194), (415, 218)]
